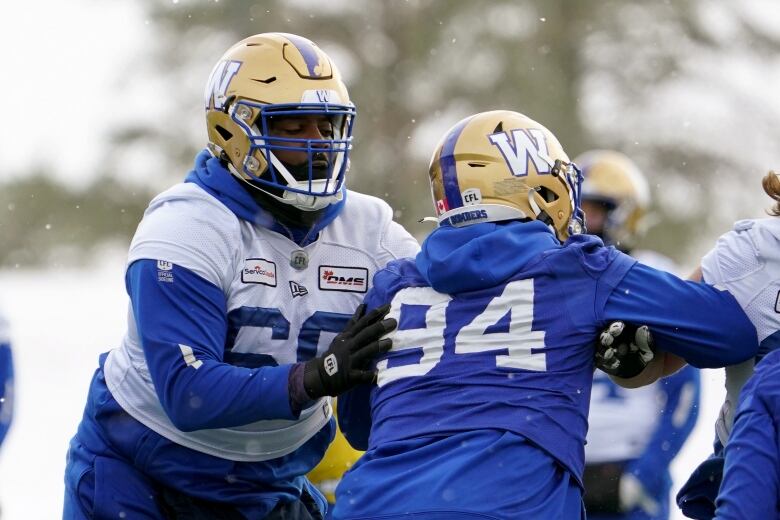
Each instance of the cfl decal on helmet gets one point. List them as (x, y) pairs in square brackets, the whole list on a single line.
[(526, 144), (219, 81), (471, 196)]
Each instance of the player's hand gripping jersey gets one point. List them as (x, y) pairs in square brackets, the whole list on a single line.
[(480, 408)]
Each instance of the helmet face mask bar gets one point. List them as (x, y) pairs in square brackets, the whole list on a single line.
[(312, 183), (572, 176)]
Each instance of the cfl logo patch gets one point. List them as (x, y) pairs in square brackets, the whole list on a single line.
[(331, 364), (520, 146)]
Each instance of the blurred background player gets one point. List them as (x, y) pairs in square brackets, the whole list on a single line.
[(6, 379), (327, 475), (480, 408), (633, 435)]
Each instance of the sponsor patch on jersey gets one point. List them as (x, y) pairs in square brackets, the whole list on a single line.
[(164, 271), (347, 279), (259, 270), (777, 303)]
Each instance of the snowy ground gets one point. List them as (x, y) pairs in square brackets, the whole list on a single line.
[(61, 320)]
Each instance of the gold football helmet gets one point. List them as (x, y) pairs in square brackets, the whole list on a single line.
[(613, 180), (277, 75), (502, 165)]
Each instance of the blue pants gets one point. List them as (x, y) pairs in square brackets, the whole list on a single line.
[(479, 475), (118, 468), (98, 486)]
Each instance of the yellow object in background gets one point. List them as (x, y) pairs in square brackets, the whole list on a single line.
[(338, 459)]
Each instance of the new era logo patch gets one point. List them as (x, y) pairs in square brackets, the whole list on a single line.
[(346, 279), (259, 270), (297, 289)]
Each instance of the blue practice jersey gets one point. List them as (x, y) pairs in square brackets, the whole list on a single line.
[(751, 478), (497, 324)]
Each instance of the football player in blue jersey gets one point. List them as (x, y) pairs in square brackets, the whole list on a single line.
[(243, 283), (480, 407), (633, 435), (6, 379)]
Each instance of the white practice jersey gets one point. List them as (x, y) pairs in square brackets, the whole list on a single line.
[(746, 262), (621, 421), (188, 227)]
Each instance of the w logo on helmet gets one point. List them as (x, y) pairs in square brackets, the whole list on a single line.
[(522, 145), (216, 88)]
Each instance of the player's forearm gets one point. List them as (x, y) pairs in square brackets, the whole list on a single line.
[(217, 395), (694, 321)]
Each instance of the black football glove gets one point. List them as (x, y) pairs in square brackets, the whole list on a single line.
[(624, 350), (347, 362)]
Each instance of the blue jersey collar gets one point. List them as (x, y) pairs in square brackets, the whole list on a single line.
[(216, 180), (462, 259)]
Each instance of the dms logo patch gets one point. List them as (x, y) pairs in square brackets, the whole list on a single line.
[(347, 279), (259, 270)]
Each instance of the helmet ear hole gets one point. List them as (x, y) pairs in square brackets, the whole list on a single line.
[(224, 133), (547, 194)]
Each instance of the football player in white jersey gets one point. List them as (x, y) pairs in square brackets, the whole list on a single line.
[(751, 478), (633, 435), (243, 281), (746, 262)]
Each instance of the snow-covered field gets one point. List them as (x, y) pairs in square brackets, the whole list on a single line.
[(61, 319)]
